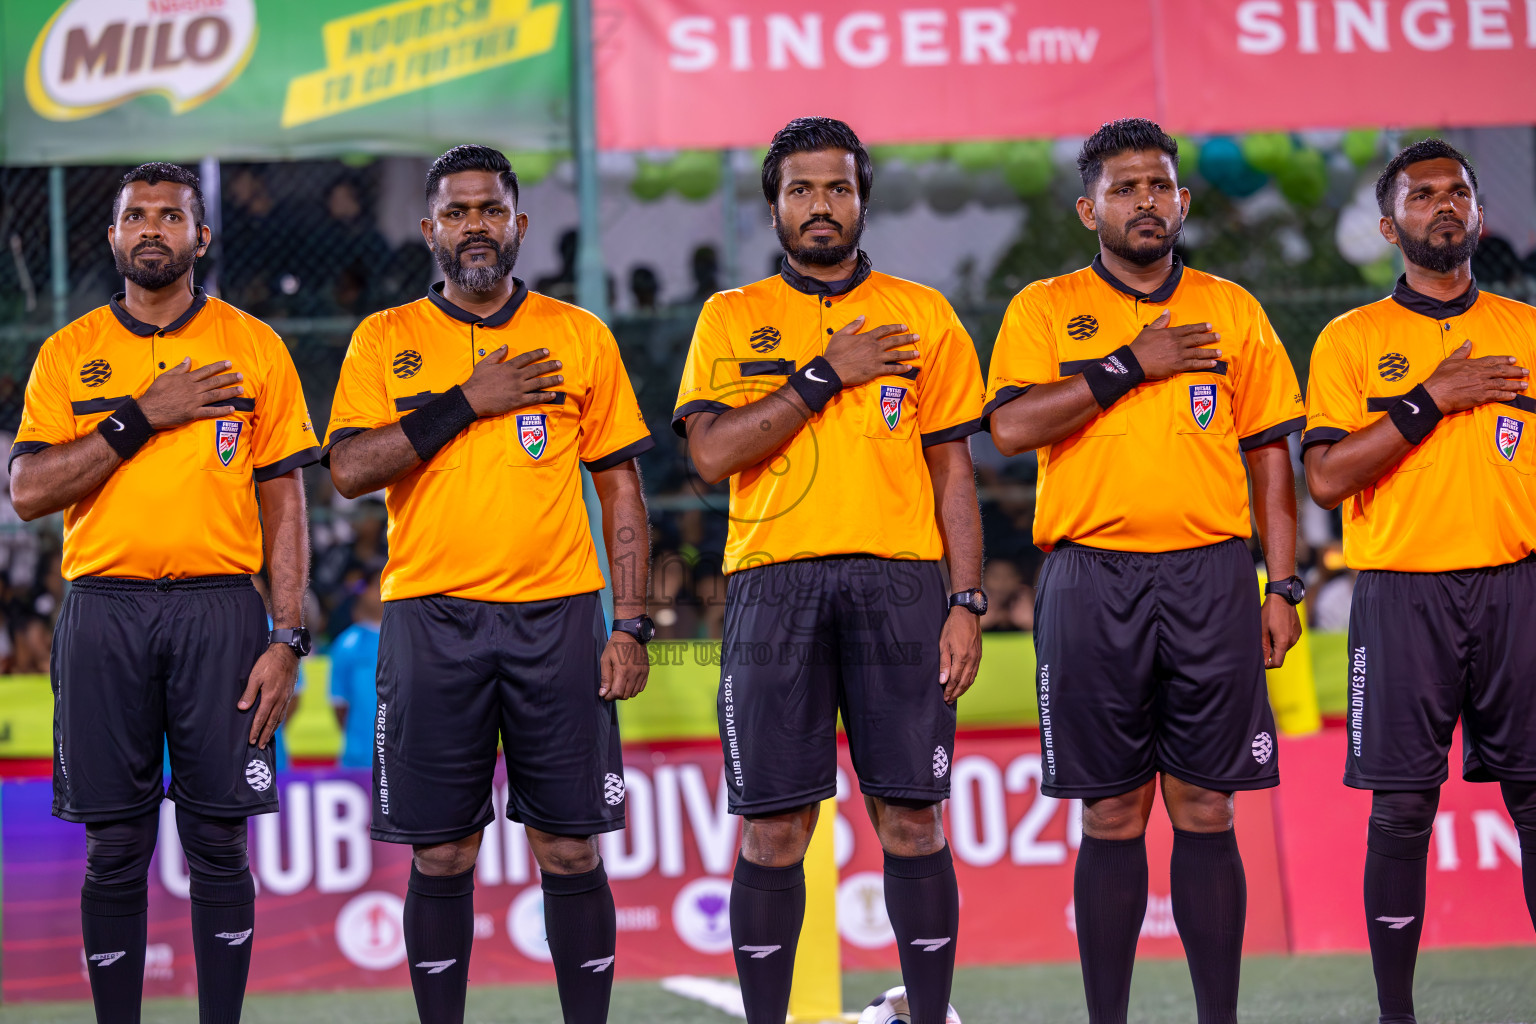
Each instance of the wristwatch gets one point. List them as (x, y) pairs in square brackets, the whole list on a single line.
[(295, 639), (973, 601), (1292, 589), (641, 628)]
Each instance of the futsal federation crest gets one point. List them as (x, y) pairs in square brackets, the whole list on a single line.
[(226, 435), (532, 433), (890, 404), (1507, 434), (1202, 403)]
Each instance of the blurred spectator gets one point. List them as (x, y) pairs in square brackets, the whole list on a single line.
[(1330, 591), (644, 286), (354, 668), (706, 273), (34, 644), (1496, 262)]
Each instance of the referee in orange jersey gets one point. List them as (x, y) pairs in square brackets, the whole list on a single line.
[(849, 458), (1418, 416), (1154, 393), (170, 429)]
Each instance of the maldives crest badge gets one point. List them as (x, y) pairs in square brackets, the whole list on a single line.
[(226, 437), (532, 433), (890, 404), (1506, 434), (1202, 403)]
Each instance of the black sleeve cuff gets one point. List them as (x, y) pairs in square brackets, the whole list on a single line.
[(1004, 396), (24, 448), (298, 460), (1322, 435), (337, 436), (1278, 432), (682, 412), (958, 432), (624, 454)]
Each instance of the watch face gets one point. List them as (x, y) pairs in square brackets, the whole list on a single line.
[(979, 601), (647, 629)]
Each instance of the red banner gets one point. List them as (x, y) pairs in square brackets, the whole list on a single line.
[(716, 73)]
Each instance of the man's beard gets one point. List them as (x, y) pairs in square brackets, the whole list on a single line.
[(480, 278), (820, 255), (1145, 255), (1422, 251), (162, 275)]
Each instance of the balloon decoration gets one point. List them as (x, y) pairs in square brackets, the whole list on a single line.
[(650, 182), (533, 168), (1223, 165), (975, 157), (1304, 177), (1268, 152), (1358, 232), (1028, 167), (897, 188), (695, 174), (947, 188)]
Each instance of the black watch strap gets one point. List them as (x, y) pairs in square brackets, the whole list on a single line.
[(640, 627), (297, 639), (1292, 589)]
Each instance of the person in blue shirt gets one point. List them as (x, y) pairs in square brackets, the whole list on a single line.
[(354, 664)]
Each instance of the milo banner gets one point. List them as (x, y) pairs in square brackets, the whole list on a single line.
[(93, 81)]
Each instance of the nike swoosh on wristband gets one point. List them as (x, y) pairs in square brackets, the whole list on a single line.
[(1411, 406), (810, 374), (114, 419)]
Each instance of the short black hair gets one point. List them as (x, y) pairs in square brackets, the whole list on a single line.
[(1116, 137), (1425, 149), (156, 172), (810, 135), (471, 158)]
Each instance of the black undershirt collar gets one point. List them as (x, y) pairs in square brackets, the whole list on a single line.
[(810, 286), (1164, 291), (1418, 302), (496, 319), (144, 330)]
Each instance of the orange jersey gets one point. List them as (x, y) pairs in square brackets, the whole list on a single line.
[(1162, 468), (853, 480), (185, 504), (497, 514), (1466, 497)]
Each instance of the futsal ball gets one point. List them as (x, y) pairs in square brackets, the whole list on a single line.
[(890, 1007)]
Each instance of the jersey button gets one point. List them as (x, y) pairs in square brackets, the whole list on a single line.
[(829, 330), (482, 351), (828, 303), (162, 366)]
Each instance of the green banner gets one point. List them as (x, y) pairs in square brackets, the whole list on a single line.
[(119, 81)]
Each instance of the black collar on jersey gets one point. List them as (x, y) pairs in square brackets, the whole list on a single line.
[(1422, 304), (810, 286), (1164, 291), (144, 330), (496, 319)]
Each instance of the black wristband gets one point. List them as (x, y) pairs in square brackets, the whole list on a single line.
[(127, 429), (817, 383), (1112, 378), (1415, 415), (438, 422)]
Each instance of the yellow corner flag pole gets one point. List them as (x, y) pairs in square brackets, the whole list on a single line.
[(817, 994), (1293, 686)]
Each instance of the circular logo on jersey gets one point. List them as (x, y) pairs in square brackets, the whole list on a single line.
[(940, 763), (95, 373), (1263, 748), (861, 916), (525, 924), (613, 789), (700, 915), (1082, 327), (370, 930), (407, 363), (1392, 366), (765, 339), (258, 776)]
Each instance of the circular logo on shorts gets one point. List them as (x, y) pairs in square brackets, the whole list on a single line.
[(700, 915), (407, 363), (1392, 366), (257, 775), (861, 916), (940, 763), (613, 789), (1082, 327), (1263, 747), (525, 924), (370, 931), (95, 373)]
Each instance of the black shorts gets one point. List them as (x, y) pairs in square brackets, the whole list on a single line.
[(454, 677), (1151, 663), (140, 666), (1426, 648), (809, 638)]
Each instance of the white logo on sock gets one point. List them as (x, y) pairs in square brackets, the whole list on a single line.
[(437, 966), (108, 959), (931, 945), (1397, 924), (599, 966), (235, 938), (758, 952)]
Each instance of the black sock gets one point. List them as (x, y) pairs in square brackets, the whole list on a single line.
[(1394, 916), (579, 921), (923, 903), (1109, 899), (115, 923), (1210, 908), (1528, 871), (439, 929), (223, 920), (767, 909)]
